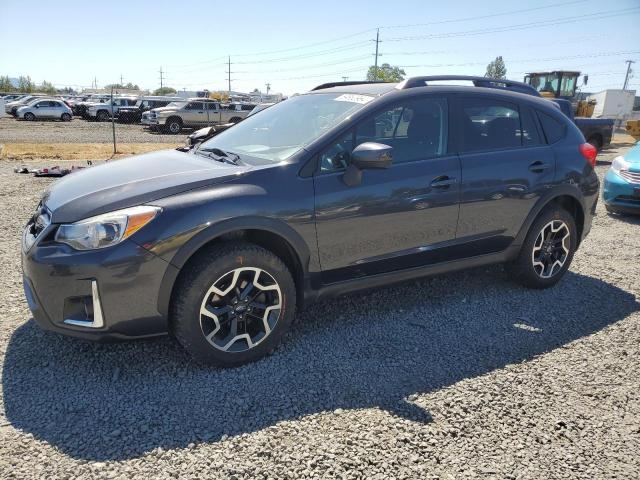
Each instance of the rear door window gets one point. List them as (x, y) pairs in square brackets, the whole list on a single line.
[(489, 124)]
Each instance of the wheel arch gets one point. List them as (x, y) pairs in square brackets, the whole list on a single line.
[(269, 234), (566, 198)]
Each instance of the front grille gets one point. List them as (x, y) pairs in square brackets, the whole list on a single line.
[(633, 177)]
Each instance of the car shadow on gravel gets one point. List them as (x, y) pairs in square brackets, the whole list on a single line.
[(370, 350)]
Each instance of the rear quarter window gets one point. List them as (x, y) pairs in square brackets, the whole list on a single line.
[(554, 130)]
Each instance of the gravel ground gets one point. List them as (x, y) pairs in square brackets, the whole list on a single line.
[(460, 376), (79, 131)]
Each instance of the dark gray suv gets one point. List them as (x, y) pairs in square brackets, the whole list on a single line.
[(349, 186)]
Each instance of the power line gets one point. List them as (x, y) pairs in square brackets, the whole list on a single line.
[(523, 26), (482, 17)]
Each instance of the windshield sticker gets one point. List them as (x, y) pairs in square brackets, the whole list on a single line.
[(349, 97)]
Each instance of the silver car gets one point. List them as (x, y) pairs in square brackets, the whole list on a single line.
[(48, 108)]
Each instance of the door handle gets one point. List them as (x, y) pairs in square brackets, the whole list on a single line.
[(538, 167), (443, 182)]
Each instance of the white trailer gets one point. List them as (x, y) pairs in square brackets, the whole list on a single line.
[(612, 103)]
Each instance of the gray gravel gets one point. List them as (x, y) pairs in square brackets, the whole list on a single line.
[(460, 376), (80, 131)]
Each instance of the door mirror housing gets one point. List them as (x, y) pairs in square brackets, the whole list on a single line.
[(367, 156), (370, 155)]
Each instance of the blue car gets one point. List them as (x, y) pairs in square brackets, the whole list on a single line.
[(622, 183)]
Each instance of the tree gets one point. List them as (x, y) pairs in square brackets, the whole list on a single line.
[(116, 86), (385, 73), (496, 69), (164, 91), (6, 85), (47, 87), (25, 85)]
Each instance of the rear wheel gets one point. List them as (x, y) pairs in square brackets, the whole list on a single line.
[(232, 305), (235, 120), (102, 116), (547, 250), (596, 141), (30, 117), (65, 117)]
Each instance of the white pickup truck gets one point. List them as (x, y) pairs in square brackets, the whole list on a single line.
[(195, 113), (103, 111)]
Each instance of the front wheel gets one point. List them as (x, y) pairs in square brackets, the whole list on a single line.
[(233, 304), (65, 117), (547, 250), (29, 117), (173, 126)]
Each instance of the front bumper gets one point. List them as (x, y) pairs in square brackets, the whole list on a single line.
[(102, 295), (620, 194)]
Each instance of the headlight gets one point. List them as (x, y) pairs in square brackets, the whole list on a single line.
[(105, 230), (619, 163)]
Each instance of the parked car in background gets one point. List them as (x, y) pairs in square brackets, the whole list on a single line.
[(12, 107), (52, 109), (206, 133), (195, 112), (103, 111), (343, 188), (242, 110), (80, 108), (621, 193), (133, 114), (12, 97)]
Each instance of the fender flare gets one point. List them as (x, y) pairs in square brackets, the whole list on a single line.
[(544, 200), (212, 232)]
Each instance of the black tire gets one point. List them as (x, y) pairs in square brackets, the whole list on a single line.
[(65, 117), (173, 125), (29, 117), (523, 269), (235, 120), (596, 141), (102, 116), (190, 293)]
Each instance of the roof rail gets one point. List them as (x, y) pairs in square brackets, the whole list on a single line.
[(341, 84), (486, 82)]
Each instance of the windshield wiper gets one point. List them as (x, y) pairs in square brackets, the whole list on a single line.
[(220, 155)]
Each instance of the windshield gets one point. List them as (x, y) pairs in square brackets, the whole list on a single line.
[(285, 128), (177, 104)]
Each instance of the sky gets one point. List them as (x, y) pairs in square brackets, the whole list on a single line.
[(296, 45)]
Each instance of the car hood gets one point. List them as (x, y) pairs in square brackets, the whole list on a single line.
[(133, 181), (633, 156), (164, 109)]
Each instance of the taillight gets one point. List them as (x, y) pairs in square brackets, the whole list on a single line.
[(589, 152)]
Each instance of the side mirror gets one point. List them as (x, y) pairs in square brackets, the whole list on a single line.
[(366, 156)]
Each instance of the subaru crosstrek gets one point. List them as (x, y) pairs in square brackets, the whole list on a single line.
[(349, 186)]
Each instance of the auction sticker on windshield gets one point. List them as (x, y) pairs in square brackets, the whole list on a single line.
[(350, 97)]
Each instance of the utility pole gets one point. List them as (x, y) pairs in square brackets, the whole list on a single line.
[(229, 74), (161, 77), (268, 85), (375, 68), (344, 79), (121, 81), (626, 77)]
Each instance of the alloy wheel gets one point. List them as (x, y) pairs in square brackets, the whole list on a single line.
[(551, 249), (174, 127), (240, 309)]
